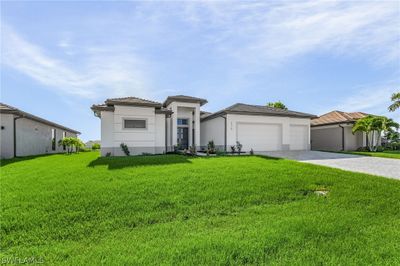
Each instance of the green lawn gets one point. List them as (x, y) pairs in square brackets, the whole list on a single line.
[(383, 154), (84, 210)]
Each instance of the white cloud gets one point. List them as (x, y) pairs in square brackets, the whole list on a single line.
[(268, 33), (103, 72), (373, 100)]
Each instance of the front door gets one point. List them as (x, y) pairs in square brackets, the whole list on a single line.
[(183, 137)]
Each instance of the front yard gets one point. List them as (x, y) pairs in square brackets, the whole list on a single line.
[(171, 209)]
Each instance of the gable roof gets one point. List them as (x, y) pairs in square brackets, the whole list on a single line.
[(8, 109), (247, 109), (184, 98), (337, 117)]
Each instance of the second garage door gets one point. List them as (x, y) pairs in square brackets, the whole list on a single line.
[(298, 137), (260, 137)]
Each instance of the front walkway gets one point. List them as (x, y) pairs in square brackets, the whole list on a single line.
[(357, 163)]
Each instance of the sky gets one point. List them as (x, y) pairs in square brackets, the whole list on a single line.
[(59, 58)]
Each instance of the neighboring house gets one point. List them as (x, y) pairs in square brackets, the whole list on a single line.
[(151, 127), (90, 143), (333, 132), (24, 134)]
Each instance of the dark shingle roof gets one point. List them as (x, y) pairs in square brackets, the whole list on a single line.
[(184, 98), (337, 117), (247, 109), (8, 109)]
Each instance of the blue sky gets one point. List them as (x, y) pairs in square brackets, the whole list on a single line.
[(59, 58)]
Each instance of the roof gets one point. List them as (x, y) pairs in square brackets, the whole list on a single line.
[(184, 98), (8, 109), (132, 101), (337, 117), (247, 109), (108, 105)]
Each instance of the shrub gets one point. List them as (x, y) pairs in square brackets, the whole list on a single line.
[(251, 152), (239, 146), (95, 146), (218, 152), (380, 149), (233, 149), (125, 149), (211, 147), (108, 154)]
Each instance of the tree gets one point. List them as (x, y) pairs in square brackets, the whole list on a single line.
[(70, 143), (278, 105), (96, 146), (396, 102), (373, 126)]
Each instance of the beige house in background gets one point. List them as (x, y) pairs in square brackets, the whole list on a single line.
[(24, 134), (333, 132)]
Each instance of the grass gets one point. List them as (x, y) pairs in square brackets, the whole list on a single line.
[(382, 154), (84, 210)]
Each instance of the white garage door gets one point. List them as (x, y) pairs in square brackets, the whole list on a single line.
[(298, 137), (260, 137)]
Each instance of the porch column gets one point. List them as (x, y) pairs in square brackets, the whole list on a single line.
[(174, 120), (197, 127)]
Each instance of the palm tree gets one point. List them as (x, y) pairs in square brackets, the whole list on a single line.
[(364, 125), (396, 102), (278, 105), (382, 124)]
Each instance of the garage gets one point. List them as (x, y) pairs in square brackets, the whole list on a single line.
[(260, 136), (299, 137)]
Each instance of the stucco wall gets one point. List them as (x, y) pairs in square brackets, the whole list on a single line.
[(7, 136), (285, 123), (329, 138), (36, 138), (213, 129), (32, 137), (148, 140)]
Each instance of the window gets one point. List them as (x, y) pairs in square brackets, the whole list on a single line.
[(137, 123), (53, 139), (182, 121)]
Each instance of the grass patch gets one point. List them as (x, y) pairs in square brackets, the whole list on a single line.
[(382, 154), (171, 209)]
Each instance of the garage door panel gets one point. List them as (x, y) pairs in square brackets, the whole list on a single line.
[(260, 136), (299, 137)]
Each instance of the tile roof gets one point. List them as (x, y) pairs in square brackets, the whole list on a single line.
[(247, 109), (132, 101), (336, 117), (8, 109), (184, 98)]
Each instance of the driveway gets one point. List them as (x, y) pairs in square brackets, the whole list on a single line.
[(357, 163)]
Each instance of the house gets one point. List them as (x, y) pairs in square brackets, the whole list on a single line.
[(333, 132), (24, 134), (151, 127)]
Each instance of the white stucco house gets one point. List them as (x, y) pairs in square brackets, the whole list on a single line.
[(24, 134), (151, 127)]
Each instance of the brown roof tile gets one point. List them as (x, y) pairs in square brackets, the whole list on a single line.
[(336, 117)]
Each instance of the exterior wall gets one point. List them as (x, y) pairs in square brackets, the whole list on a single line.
[(329, 138), (32, 137), (7, 136), (213, 129), (284, 122), (148, 140), (35, 138)]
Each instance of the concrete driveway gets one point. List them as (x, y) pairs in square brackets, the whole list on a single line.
[(357, 163)]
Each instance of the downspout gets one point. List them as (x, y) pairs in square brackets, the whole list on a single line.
[(342, 137), (166, 131), (15, 134)]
